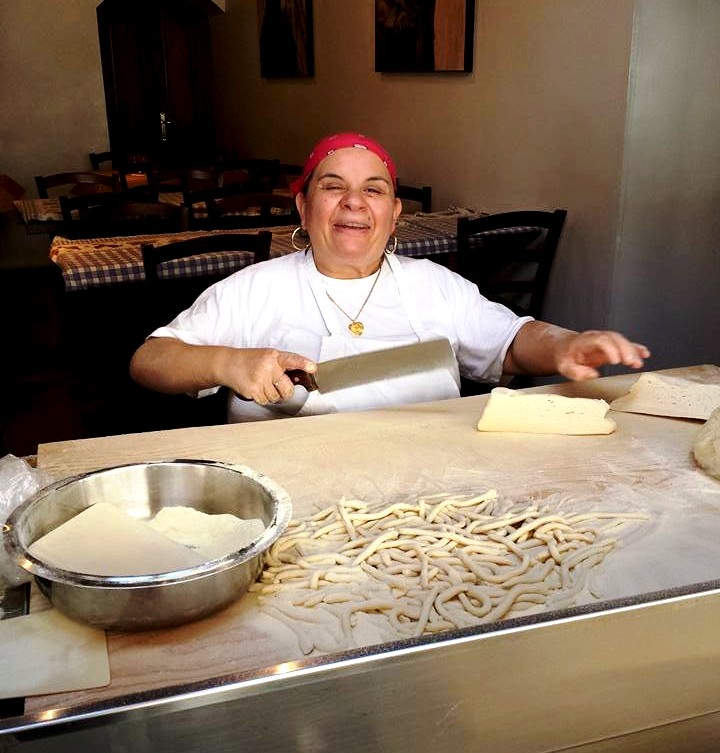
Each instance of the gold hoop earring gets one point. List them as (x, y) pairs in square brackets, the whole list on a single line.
[(394, 241), (303, 234)]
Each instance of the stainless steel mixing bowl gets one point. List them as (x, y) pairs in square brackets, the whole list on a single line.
[(141, 490)]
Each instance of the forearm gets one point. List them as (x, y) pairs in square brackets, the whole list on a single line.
[(535, 349), (172, 366), (540, 349), (168, 365)]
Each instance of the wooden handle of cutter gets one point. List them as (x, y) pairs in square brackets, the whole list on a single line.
[(298, 376)]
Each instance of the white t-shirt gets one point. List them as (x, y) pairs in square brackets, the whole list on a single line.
[(271, 304)]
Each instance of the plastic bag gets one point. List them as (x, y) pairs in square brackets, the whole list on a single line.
[(18, 482)]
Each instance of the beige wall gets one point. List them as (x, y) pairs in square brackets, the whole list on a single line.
[(53, 106), (539, 123)]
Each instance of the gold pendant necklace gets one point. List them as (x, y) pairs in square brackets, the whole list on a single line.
[(355, 326)]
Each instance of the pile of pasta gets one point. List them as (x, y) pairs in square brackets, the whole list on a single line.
[(351, 575)]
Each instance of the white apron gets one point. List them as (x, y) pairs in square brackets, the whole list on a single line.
[(437, 384)]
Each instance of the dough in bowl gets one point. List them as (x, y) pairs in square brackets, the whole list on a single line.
[(706, 449), (213, 536), (104, 540)]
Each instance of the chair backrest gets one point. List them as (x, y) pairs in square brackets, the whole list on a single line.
[(509, 255), (195, 203), (263, 174), (75, 183), (421, 195), (136, 218), (183, 179), (252, 210), (99, 158), (167, 179), (133, 212), (169, 294), (198, 178)]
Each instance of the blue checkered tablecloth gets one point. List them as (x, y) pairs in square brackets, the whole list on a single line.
[(92, 262)]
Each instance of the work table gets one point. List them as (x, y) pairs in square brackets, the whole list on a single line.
[(388, 455)]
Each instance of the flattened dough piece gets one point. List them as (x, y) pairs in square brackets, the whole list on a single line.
[(706, 449), (103, 540), (509, 410), (47, 652), (661, 395)]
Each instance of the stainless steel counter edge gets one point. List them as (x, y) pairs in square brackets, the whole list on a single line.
[(292, 674)]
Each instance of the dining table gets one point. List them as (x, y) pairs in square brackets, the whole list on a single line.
[(43, 215), (630, 666), (92, 262)]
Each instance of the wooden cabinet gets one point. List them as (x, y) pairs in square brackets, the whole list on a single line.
[(157, 73)]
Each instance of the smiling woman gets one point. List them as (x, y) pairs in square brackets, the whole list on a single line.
[(344, 293), (348, 206)]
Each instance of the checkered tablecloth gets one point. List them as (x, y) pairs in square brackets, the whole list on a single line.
[(199, 210), (38, 210), (91, 262), (47, 211)]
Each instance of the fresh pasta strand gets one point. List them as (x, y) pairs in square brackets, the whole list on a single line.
[(418, 568)]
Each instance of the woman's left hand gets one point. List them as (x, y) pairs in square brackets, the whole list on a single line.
[(580, 354)]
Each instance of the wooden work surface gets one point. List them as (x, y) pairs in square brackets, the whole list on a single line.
[(383, 456)]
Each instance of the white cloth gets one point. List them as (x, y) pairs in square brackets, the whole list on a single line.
[(283, 304)]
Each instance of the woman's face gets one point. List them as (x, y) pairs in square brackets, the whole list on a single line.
[(349, 210)]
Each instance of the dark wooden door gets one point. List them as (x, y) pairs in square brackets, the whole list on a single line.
[(156, 61)]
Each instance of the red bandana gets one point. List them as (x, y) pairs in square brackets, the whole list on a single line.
[(330, 144)]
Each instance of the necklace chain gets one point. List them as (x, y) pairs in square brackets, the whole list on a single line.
[(355, 326)]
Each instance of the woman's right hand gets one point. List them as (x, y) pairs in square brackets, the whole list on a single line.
[(259, 373), (172, 366)]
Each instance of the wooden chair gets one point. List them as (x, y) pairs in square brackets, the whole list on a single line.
[(199, 178), (263, 174), (155, 256), (134, 218), (167, 179), (252, 210), (97, 159), (183, 179), (237, 206), (421, 195), (167, 296), (133, 212), (75, 183), (509, 256), (195, 203)]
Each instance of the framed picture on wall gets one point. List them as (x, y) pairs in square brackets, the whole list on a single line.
[(286, 38), (415, 36)]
